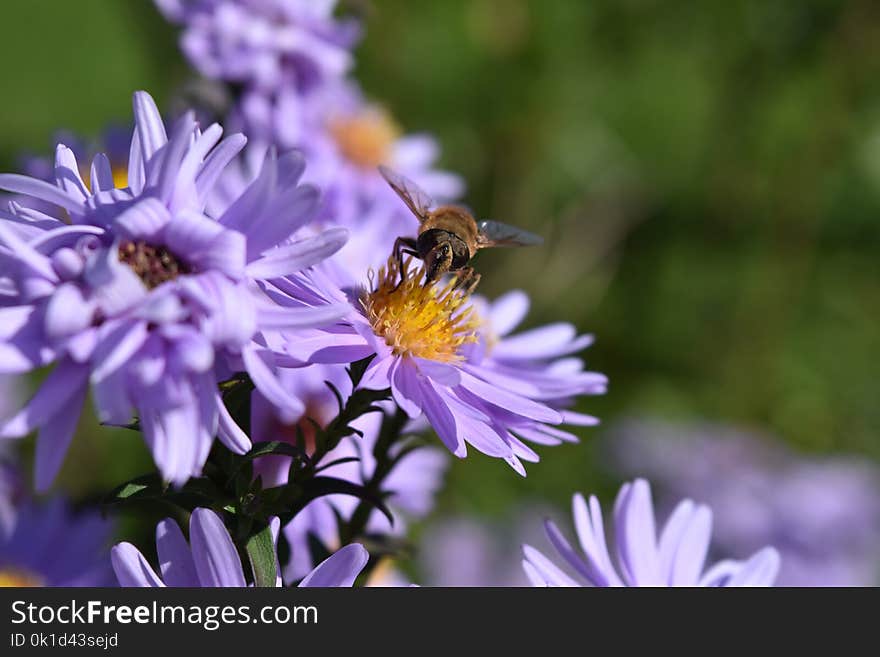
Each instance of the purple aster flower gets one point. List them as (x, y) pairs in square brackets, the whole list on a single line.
[(48, 544), (676, 558), (210, 559), (411, 485), (150, 298), (821, 513), (435, 353), (265, 44)]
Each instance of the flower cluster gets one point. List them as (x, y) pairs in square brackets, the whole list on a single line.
[(248, 289)]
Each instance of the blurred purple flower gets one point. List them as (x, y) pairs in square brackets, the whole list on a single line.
[(821, 513), (265, 44), (344, 139), (677, 558), (466, 551), (114, 143), (150, 299), (210, 559), (48, 544)]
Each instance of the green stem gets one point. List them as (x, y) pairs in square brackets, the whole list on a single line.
[(392, 428)]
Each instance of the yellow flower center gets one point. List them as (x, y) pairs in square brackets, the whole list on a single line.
[(10, 577), (425, 321), (365, 139)]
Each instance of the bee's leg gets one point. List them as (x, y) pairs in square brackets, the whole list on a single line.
[(467, 280), (404, 245)]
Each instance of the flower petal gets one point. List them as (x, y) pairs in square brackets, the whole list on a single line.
[(175, 558), (62, 384), (54, 439), (68, 312), (229, 433), (590, 530), (339, 569), (214, 554), (549, 571), (636, 534), (39, 189), (131, 568), (285, 214), (510, 401), (67, 174), (117, 348), (216, 162), (760, 570), (292, 258), (101, 174), (280, 318), (144, 220), (149, 126), (689, 556), (507, 311), (289, 407)]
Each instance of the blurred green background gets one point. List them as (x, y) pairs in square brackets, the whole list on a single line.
[(707, 176)]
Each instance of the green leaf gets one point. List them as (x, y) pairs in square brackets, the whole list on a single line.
[(277, 448), (356, 370), (134, 425), (141, 487), (340, 403), (261, 553), (339, 461), (199, 491)]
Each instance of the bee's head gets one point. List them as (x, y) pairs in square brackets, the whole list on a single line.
[(438, 261)]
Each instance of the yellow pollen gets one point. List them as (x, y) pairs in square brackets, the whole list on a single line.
[(365, 139), (425, 321), (120, 177), (11, 577)]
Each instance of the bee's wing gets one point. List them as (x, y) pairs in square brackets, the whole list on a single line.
[(414, 196), (495, 233)]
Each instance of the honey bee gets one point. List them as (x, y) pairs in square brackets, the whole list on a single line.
[(449, 236)]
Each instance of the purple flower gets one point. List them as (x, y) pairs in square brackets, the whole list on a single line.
[(676, 558), (470, 551), (265, 44), (411, 485), (210, 559), (821, 513), (150, 298), (47, 544), (435, 353)]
